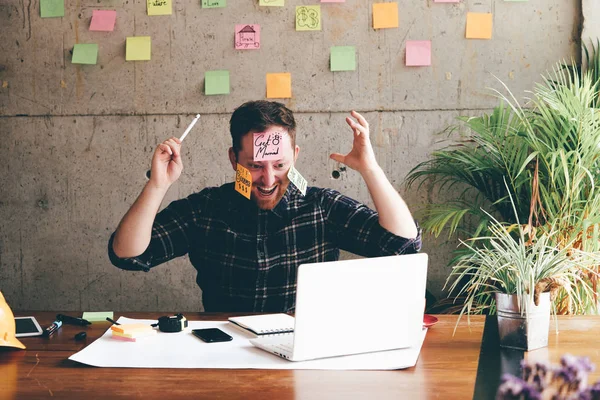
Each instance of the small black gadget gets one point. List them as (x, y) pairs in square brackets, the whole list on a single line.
[(212, 335), (175, 323)]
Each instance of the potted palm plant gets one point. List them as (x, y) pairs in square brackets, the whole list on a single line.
[(517, 272)]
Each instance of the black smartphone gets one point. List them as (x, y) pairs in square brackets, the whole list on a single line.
[(212, 335)]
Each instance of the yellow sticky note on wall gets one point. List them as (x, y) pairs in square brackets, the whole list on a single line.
[(279, 85), (159, 7), (479, 25), (138, 48), (243, 181), (385, 15)]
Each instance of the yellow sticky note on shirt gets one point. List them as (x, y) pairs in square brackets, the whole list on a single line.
[(279, 86), (479, 25), (138, 48), (385, 15), (243, 181)]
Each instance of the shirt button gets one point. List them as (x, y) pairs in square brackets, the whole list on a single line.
[(261, 254)]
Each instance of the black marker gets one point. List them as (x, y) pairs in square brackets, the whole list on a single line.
[(52, 328), (113, 321), (72, 320)]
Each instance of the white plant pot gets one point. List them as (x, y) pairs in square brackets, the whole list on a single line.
[(524, 332)]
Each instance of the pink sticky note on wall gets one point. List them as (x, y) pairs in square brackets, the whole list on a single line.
[(103, 20), (247, 37), (267, 146), (446, 1), (418, 53), (333, 1)]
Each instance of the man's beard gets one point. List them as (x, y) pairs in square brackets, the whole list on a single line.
[(271, 203)]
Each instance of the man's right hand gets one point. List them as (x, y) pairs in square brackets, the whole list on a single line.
[(166, 163)]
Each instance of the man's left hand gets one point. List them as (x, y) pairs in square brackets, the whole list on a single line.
[(361, 158)]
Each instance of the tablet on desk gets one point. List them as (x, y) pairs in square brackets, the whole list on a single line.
[(27, 326)]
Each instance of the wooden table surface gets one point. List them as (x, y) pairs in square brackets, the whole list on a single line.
[(446, 369)]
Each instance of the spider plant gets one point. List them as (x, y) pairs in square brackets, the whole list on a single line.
[(511, 260)]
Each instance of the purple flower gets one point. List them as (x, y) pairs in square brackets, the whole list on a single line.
[(513, 388)]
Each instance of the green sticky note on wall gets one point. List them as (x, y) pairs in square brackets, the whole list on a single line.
[(97, 316), (138, 48), (216, 82), (343, 58), (85, 54), (214, 3), (52, 8)]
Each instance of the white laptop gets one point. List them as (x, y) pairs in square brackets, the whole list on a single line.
[(354, 306)]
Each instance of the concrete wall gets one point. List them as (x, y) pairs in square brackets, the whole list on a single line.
[(76, 139)]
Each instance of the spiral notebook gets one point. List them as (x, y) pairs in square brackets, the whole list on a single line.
[(267, 324)]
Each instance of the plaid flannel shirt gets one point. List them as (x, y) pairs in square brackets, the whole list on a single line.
[(247, 258)]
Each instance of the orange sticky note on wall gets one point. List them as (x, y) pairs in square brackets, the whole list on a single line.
[(385, 15), (279, 85), (479, 25)]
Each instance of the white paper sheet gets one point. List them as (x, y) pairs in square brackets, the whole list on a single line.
[(184, 350)]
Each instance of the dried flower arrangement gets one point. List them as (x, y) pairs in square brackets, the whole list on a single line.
[(541, 381)]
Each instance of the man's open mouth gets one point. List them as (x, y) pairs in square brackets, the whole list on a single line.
[(266, 191)]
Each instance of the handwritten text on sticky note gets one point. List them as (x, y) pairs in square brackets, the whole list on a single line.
[(247, 37), (272, 3), (243, 181), (297, 179), (160, 7), (267, 146), (308, 18)]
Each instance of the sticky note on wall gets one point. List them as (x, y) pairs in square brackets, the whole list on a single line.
[(85, 53), (343, 58), (479, 26), (52, 8), (385, 15), (159, 7), (138, 48), (214, 3), (418, 53), (103, 20), (247, 37), (279, 85), (308, 18), (272, 3), (216, 82)]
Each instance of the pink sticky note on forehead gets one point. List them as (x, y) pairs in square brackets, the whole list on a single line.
[(103, 20), (267, 146), (247, 37)]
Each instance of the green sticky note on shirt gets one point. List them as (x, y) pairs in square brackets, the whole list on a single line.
[(216, 82), (343, 58), (97, 316), (85, 54), (213, 3), (52, 8)]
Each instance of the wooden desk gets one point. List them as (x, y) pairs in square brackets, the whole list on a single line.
[(446, 369)]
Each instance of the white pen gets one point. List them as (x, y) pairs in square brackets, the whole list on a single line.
[(189, 128)]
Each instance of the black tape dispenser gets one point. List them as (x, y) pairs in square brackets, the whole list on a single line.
[(175, 323)]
